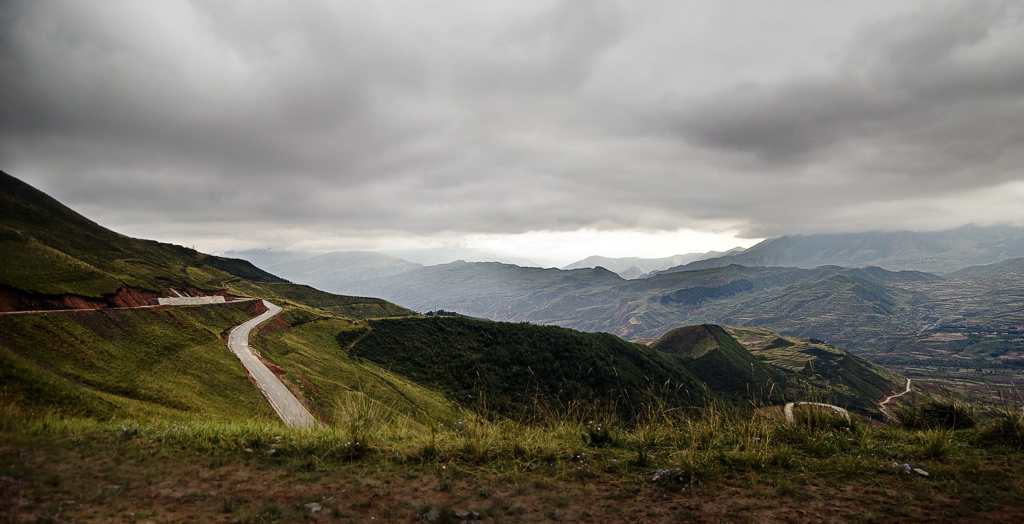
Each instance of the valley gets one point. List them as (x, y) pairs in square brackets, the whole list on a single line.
[(965, 326), (113, 410)]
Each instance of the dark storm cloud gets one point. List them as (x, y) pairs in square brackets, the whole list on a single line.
[(936, 92), (483, 117)]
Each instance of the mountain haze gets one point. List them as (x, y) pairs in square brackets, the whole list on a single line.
[(332, 271), (969, 318), (635, 267), (937, 252)]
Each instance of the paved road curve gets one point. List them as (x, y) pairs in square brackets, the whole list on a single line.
[(284, 403), (788, 410), (886, 401)]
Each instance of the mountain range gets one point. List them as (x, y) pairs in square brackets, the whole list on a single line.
[(635, 267), (938, 252), (972, 317), (169, 363)]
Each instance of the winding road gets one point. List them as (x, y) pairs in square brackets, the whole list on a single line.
[(284, 403), (788, 410), (890, 397)]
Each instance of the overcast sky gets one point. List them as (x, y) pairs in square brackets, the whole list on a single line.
[(545, 128)]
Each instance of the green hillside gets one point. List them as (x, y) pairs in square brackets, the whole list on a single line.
[(312, 350), (514, 369), (819, 371), (722, 363), (142, 364), (965, 326), (50, 249), (160, 363), (349, 357), (54, 258)]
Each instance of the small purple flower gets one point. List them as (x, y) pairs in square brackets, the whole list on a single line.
[(906, 468)]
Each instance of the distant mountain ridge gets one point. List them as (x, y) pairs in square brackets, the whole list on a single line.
[(170, 361), (938, 252), (862, 309), (331, 271), (635, 267)]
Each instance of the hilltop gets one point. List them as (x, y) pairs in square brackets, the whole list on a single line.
[(635, 267), (54, 258)]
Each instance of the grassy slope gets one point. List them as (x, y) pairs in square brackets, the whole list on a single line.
[(517, 369), (722, 363), (149, 364), (297, 295), (169, 363), (721, 467), (312, 348), (821, 370), (46, 248)]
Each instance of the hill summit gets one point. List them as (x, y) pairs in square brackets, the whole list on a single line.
[(718, 360)]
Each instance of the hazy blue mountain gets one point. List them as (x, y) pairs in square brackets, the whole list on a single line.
[(263, 258), (447, 255), (496, 291), (999, 268), (332, 271), (635, 267), (895, 317), (599, 300), (938, 252)]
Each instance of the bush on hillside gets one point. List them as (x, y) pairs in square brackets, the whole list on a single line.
[(936, 413)]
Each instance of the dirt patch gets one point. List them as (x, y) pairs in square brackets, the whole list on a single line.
[(945, 337), (258, 307), (13, 299), (274, 368), (132, 297), (306, 383), (753, 342), (124, 486)]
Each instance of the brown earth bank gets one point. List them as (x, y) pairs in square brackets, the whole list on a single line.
[(52, 483), (13, 299)]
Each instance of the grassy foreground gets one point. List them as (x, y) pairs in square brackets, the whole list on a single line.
[(717, 464)]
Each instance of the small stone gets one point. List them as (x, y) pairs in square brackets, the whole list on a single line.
[(433, 515), (313, 507), (557, 515), (920, 471), (467, 515)]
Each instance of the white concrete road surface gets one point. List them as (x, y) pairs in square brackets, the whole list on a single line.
[(788, 410), (284, 403)]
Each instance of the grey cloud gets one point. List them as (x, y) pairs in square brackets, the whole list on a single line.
[(480, 117), (937, 94)]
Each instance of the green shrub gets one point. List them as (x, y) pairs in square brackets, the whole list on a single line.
[(1006, 427), (936, 413)]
